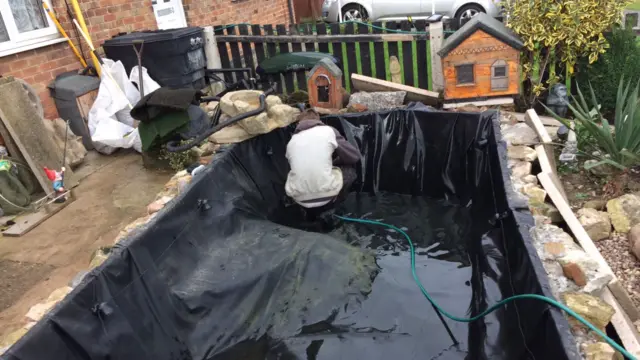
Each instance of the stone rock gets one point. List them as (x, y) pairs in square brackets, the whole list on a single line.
[(554, 249), (600, 170), (135, 225), (547, 210), (59, 294), (534, 192), (324, 111), (357, 108), (172, 187), (209, 148), (377, 101), (520, 134), (158, 204), (521, 152), (530, 179), (395, 69), (78, 278), (574, 272), (99, 256), (584, 271), (543, 234), (599, 351), (558, 282), (596, 223), (634, 240), (541, 220), (594, 310), (211, 105), (595, 204), (519, 169), (506, 118), (13, 337), (36, 312), (553, 132), (624, 212)]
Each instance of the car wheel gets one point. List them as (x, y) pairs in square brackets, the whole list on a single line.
[(354, 12), (467, 12)]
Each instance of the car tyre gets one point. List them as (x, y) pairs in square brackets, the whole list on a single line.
[(467, 12), (354, 12)]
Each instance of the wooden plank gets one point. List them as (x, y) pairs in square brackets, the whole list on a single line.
[(321, 29), (284, 48), (366, 83), (260, 55), (407, 56), (489, 102), (308, 45), (392, 46), (625, 329), (333, 37), (586, 243), (365, 52), (421, 58), (546, 120), (271, 47), (532, 119), (547, 167), (337, 51), (378, 52), (300, 77), (247, 51), (236, 59), (223, 49), (436, 38), (25, 223), (28, 132), (352, 57)]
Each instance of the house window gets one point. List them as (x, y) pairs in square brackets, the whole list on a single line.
[(464, 74), (25, 25), (499, 76)]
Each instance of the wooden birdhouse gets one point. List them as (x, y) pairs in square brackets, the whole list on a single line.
[(324, 84), (481, 63)]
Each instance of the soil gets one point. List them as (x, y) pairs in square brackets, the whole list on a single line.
[(582, 186), (115, 191)]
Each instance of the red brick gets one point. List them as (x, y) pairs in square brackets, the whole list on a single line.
[(574, 272)]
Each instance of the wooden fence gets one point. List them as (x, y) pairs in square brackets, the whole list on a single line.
[(362, 48)]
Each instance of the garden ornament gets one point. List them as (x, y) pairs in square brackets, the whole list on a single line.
[(558, 99)]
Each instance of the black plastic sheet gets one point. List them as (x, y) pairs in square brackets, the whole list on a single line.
[(223, 272)]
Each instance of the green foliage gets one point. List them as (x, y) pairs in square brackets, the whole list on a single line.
[(620, 147), (178, 160), (622, 60), (561, 29)]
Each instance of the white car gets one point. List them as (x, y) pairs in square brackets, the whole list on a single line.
[(398, 10)]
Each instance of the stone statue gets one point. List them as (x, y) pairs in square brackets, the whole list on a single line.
[(558, 99)]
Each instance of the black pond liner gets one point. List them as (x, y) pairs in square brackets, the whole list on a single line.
[(218, 274)]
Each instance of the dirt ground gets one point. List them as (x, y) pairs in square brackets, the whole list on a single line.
[(114, 190)]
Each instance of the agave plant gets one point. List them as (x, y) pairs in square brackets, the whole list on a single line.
[(619, 146)]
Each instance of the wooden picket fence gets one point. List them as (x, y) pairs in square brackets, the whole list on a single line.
[(362, 48)]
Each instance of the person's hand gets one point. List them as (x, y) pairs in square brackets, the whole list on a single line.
[(63, 169)]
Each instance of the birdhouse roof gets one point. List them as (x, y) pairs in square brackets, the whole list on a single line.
[(487, 24), (327, 64)]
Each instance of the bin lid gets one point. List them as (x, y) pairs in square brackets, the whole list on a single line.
[(153, 36), (68, 86)]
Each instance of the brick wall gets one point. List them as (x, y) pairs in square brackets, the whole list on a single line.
[(105, 18)]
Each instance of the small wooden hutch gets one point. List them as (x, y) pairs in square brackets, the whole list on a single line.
[(324, 84), (481, 61)]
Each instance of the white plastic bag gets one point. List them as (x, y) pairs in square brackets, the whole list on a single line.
[(149, 84), (110, 124)]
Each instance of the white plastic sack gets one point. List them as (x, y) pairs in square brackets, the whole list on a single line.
[(149, 84), (110, 124)]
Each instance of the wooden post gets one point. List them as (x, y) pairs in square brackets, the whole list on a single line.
[(436, 37)]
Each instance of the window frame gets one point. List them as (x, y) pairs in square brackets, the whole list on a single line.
[(500, 79), (473, 73), (18, 41)]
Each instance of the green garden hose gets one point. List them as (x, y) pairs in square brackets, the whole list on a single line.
[(495, 306)]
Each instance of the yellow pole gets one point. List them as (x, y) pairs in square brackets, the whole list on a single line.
[(64, 33), (80, 18)]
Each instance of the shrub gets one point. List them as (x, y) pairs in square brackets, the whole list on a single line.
[(622, 60), (619, 147)]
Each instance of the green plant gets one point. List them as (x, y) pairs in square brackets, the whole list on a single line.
[(622, 60), (564, 29), (619, 146), (178, 160)]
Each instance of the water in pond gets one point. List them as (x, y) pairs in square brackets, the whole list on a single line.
[(387, 323)]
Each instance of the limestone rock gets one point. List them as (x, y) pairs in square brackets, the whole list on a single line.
[(519, 169), (13, 337), (506, 118), (324, 111), (596, 223), (521, 152), (554, 249), (546, 210), (541, 220), (599, 351), (395, 69), (135, 225), (377, 101), (584, 271), (595, 204), (624, 212), (634, 240), (534, 192), (209, 148), (59, 294), (172, 187), (520, 134), (543, 234), (211, 105), (530, 179), (75, 151), (357, 108), (99, 256), (594, 310)]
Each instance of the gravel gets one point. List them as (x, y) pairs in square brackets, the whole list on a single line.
[(616, 252)]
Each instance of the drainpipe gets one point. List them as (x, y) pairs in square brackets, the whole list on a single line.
[(291, 16)]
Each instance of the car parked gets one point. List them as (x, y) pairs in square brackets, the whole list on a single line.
[(395, 10)]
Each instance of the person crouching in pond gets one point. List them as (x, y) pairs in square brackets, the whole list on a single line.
[(322, 167)]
